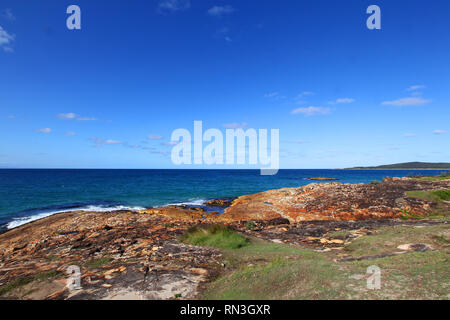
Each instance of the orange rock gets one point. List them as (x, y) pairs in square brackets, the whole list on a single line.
[(199, 271), (333, 201)]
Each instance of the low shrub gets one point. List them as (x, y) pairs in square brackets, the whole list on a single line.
[(217, 236)]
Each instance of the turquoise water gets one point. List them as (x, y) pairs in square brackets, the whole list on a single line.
[(33, 193)]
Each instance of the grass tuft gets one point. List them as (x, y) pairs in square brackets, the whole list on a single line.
[(20, 282), (443, 176), (250, 225), (434, 195), (217, 236), (442, 194), (96, 263)]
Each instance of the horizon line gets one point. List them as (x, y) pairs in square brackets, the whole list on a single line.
[(218, 169)]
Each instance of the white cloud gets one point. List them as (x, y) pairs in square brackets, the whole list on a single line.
[(100, 141), (67, 115), (270, 94), (11, 116), (235, 125), (345, 100), (220, 10), (410, 101), (410, 135), (44, 130), (8, 15), (311, 111), (109, 141), (74, 116), (171, 143), (173, 5), (6, 40), (274, 96), (342, 100), (305, 93), (70, 134), (439, 132), (416, 87), (154, 137)]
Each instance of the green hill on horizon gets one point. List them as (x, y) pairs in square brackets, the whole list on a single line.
[(410, 165)]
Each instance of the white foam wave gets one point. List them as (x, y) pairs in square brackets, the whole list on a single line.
[(23, 220), (197, 202)]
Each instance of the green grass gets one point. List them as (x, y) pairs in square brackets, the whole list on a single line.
[(406, 215), (439, 197), (441, 239), (216, 236), (414, 275), (259, 251), (97, 263), (16, 283), (387, 239), (47, 275), (266, 270), (434, 195), (443, 176), (250, 225), (442, 194), (20, 282)]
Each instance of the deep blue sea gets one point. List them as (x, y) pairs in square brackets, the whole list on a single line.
[(29, 194)]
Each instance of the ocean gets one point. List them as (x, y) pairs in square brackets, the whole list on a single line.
[(30, 194)]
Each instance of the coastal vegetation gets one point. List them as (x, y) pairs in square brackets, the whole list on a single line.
[(98, 262), (265, 270), (442, 176), (216, 236), (410, 165), (22, 281), (439, 198), (250, 225), (433, 195)]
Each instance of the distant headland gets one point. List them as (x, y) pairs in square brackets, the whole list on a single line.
[(410, 165)]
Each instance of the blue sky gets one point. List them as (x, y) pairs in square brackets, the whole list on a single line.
[(110, 95)]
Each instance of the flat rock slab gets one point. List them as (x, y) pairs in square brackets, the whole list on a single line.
[(414, 247), (317, 233), (335, 201), (120, 254)]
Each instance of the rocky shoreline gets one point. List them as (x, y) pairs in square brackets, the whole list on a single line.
[(337, 201), (136, 255)]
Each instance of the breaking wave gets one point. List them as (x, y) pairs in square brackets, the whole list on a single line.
[(36, 214), (197, 202)]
